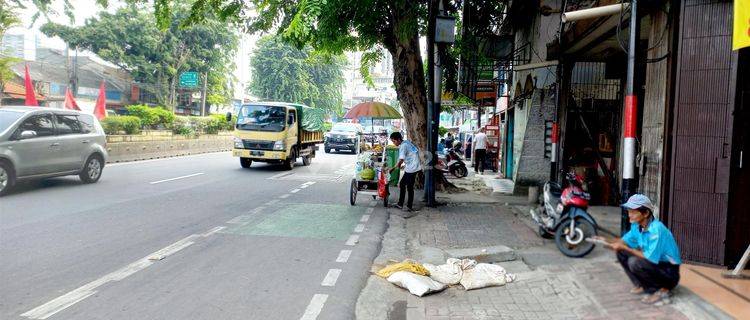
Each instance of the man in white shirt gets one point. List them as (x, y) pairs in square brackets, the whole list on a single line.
[(480, 151), (408, 157)]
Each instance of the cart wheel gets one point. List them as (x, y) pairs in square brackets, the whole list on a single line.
[(353, 192)]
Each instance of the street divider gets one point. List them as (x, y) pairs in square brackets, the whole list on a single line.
[(163, 144)]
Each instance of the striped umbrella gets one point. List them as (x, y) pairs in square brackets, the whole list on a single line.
[(374, 110)]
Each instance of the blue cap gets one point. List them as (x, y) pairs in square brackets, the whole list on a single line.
[(638, 201)]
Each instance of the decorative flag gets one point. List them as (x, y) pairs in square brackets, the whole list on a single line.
[(741, 37), (100, 110), (70, 101), (30, 95)]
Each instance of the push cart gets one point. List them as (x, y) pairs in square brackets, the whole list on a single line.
[(378, 187)]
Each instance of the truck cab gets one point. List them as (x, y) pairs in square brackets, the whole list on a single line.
[(272, 132)]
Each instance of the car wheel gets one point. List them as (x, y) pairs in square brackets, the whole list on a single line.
[(7, 177), (92, 170), (246, 162), (328, 150)]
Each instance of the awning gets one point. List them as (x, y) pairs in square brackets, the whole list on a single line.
[(16, 91)]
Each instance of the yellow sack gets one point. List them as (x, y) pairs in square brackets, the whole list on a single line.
[(406, 265)]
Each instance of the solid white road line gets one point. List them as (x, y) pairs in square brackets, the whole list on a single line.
[(344, 256), (353, 239), (284, 196), (331, 277), (370, 210), (258, 209), (62, 302), (295, 190), (272, 202), (315, 307), (238, 219), (365, 217), (178, 178), (359, 228)]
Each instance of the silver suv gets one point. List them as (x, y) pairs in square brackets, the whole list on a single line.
[(41, 143)]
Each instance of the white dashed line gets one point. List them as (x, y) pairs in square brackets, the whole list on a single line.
[(258, 209), (272, 202), (212, 231), (315, 307), (344, 256), (359, 228), (295, 190), (178, 178), (237, 219), (353, 239), (365, 218), (331, 277), (370, 210), (284, 196)]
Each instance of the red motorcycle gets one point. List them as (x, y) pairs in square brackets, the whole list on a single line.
[(563, 216)]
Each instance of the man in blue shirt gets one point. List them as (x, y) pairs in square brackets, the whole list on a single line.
[(648, 253), (408, 157)]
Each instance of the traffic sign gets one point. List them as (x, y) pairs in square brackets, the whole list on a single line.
[(189, 79)]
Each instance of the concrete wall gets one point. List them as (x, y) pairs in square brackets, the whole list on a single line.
[(531, 167), (162, 144)]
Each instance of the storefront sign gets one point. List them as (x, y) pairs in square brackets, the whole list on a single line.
[(741, 36)]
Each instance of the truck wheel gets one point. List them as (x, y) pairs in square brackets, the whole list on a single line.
[(306, 160), (246, 162)]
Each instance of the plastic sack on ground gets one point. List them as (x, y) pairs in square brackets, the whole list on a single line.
[(417, 285), (406, 265), (485, 275), (449, 273)]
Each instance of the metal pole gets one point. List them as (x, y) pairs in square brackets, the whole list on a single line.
[(429, 188), (203, 94), (630, 116)]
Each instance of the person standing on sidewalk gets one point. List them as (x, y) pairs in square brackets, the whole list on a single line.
[(480, 151), (648, 253), (449, 141), (408, 157)]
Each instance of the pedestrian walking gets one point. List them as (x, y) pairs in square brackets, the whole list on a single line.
[(408, 157), (480, 151), (449, 140), (648, 253)]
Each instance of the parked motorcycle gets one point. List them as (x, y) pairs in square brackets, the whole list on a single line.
[(563, 216), (453, 164)]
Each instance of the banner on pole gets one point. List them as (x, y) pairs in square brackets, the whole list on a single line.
[(741, 35)]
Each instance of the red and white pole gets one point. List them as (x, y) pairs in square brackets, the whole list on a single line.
[(630, 117), (555, 137)]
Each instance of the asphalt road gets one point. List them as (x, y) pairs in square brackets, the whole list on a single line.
[(194, 237)]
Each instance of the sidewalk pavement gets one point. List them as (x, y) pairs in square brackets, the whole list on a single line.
[(549, 285)]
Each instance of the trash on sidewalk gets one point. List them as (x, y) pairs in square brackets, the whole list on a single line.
[(471, 275), (406, 265), (417, 285)]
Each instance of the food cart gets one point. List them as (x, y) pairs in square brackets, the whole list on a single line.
[(371, 177)]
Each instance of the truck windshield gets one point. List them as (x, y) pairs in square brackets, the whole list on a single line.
[(344, 127), (261, 118)]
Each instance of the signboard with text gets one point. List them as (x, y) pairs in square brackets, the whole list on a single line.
[(189, 79)]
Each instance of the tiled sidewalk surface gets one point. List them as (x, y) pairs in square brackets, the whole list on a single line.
[(549, 285)]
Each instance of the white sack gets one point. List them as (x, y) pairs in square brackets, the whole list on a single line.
[(418, 285), (449, 273), (485, 275)]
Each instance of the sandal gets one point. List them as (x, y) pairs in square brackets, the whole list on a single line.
[(637, 290), (658, 298)]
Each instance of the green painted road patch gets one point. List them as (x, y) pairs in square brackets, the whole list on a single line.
[(319, 221)]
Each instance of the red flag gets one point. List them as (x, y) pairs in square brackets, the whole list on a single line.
[(30, 95), (100, 110), (70, 101)]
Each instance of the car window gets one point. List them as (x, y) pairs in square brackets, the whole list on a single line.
[(41, 124), (87, 123), (67, 124)]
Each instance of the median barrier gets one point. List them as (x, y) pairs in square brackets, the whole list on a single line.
[(163, 144)]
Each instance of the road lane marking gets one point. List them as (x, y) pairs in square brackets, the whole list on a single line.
[(344, 256), (258, 209), (370, 210), (315, 307), (353, 239), (295, 190), (331, 277), (365, 218), (272, 202), (280, 175), (213, 231), (359, 228), (79, 294), (238, 219), (178, 178), (284, 196)]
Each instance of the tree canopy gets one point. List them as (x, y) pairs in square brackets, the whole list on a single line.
[(131, 39), (283, 72)]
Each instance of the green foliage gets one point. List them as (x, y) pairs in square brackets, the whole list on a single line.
[(282, 72), (224, 124), (182, 126), (155, 53), (121, 124), (442, 131), (193, 125), (152, 117), (327, 126)]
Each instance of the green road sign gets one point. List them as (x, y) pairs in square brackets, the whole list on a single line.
[(189, 79)]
